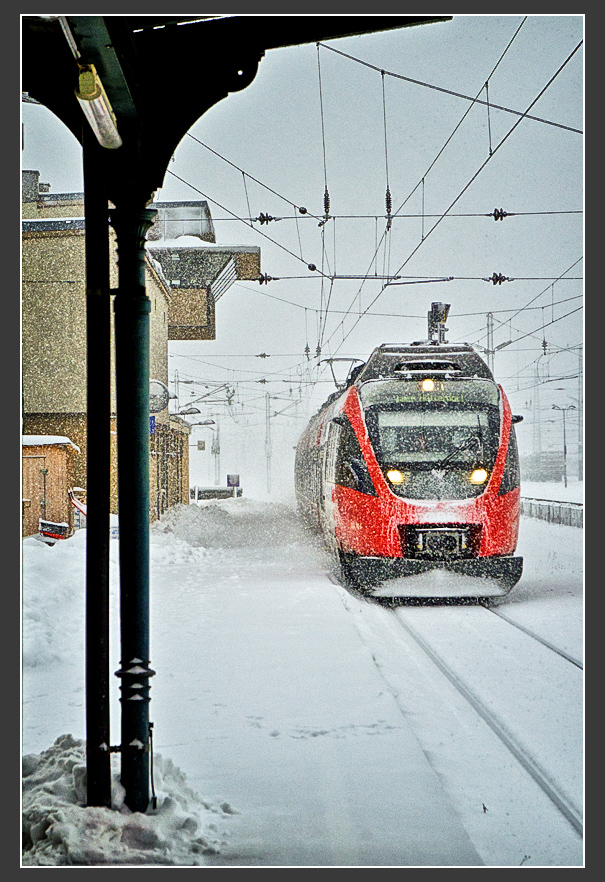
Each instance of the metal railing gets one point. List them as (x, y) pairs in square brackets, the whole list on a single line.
[(571, 514)]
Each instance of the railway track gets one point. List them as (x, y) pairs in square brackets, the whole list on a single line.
[(521, 686), (542, 778), (570, 658)]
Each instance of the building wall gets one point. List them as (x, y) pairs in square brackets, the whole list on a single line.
[(54, 322), (169, 467), (60, 205), (54, 346), (192, 316)]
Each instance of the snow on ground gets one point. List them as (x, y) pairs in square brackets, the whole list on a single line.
[(555, 490), (235, 585)]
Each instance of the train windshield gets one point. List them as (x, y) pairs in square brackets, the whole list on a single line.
[(435, 442), (431, 436)]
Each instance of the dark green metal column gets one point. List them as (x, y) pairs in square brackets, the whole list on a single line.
[(98, 374), (132, 308)]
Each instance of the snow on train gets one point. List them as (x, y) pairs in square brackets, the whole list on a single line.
[(413, 466)]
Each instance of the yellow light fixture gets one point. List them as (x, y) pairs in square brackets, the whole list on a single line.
[(97, 109), (395, 476), (428, 385), (479, 476)]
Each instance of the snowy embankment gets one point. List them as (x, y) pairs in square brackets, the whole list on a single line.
[(264, 698), (554, 490), (58, 828)]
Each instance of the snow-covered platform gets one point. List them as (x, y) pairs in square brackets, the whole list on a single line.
[(266, 698), (285, 717)]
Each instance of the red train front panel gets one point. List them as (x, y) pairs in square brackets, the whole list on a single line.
[(377, 525)]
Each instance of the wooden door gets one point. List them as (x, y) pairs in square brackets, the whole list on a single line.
[(34, 477)]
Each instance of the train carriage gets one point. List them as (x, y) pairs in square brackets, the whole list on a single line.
[(413, 467)]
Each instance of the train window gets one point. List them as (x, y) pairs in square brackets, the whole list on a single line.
[(511, 477), (476, 392), (333, 443), (346, 465)]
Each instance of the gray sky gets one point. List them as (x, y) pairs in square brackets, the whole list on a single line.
[(284, 133)]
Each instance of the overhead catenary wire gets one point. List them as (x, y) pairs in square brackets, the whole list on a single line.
[(301, 209), (312, 267), (432, 164), (398, 216), (452, 92), (298, 217), (562, 277), (559, 278), (476, 173), (391, 314)]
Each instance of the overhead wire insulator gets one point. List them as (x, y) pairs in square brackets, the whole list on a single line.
[(498, 214), (326, 208), (389, 207), (498, 278), (265, 218), (264, 279)]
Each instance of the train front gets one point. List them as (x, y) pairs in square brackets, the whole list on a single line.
[(435, 493)]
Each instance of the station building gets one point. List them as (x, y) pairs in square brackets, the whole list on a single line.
[(185, 273)]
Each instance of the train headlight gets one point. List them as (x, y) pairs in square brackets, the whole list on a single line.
[(428, 385), (395, 476), (479, 476)]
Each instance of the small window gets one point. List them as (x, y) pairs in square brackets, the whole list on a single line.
[(511, 477), (349, 466)]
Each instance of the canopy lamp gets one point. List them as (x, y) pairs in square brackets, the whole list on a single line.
[(97, 109)]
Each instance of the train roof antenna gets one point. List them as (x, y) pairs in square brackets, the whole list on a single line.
[(437, 318)]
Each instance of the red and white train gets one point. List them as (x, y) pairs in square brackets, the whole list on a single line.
[(413, 466)]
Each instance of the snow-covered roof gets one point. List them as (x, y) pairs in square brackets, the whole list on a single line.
[(41, 440), (198, 245)]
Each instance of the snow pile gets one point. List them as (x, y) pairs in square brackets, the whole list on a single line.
[(231, 523), (60, 830), (47, 633)]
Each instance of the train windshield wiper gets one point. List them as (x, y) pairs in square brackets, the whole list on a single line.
[(473, 441)]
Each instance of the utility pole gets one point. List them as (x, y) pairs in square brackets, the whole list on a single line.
[(580, 418), (216, 451), (489, 349), (268, 440), (537, 439), (563, 411)]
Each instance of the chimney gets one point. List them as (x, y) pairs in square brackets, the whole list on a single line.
[(31, 187)]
